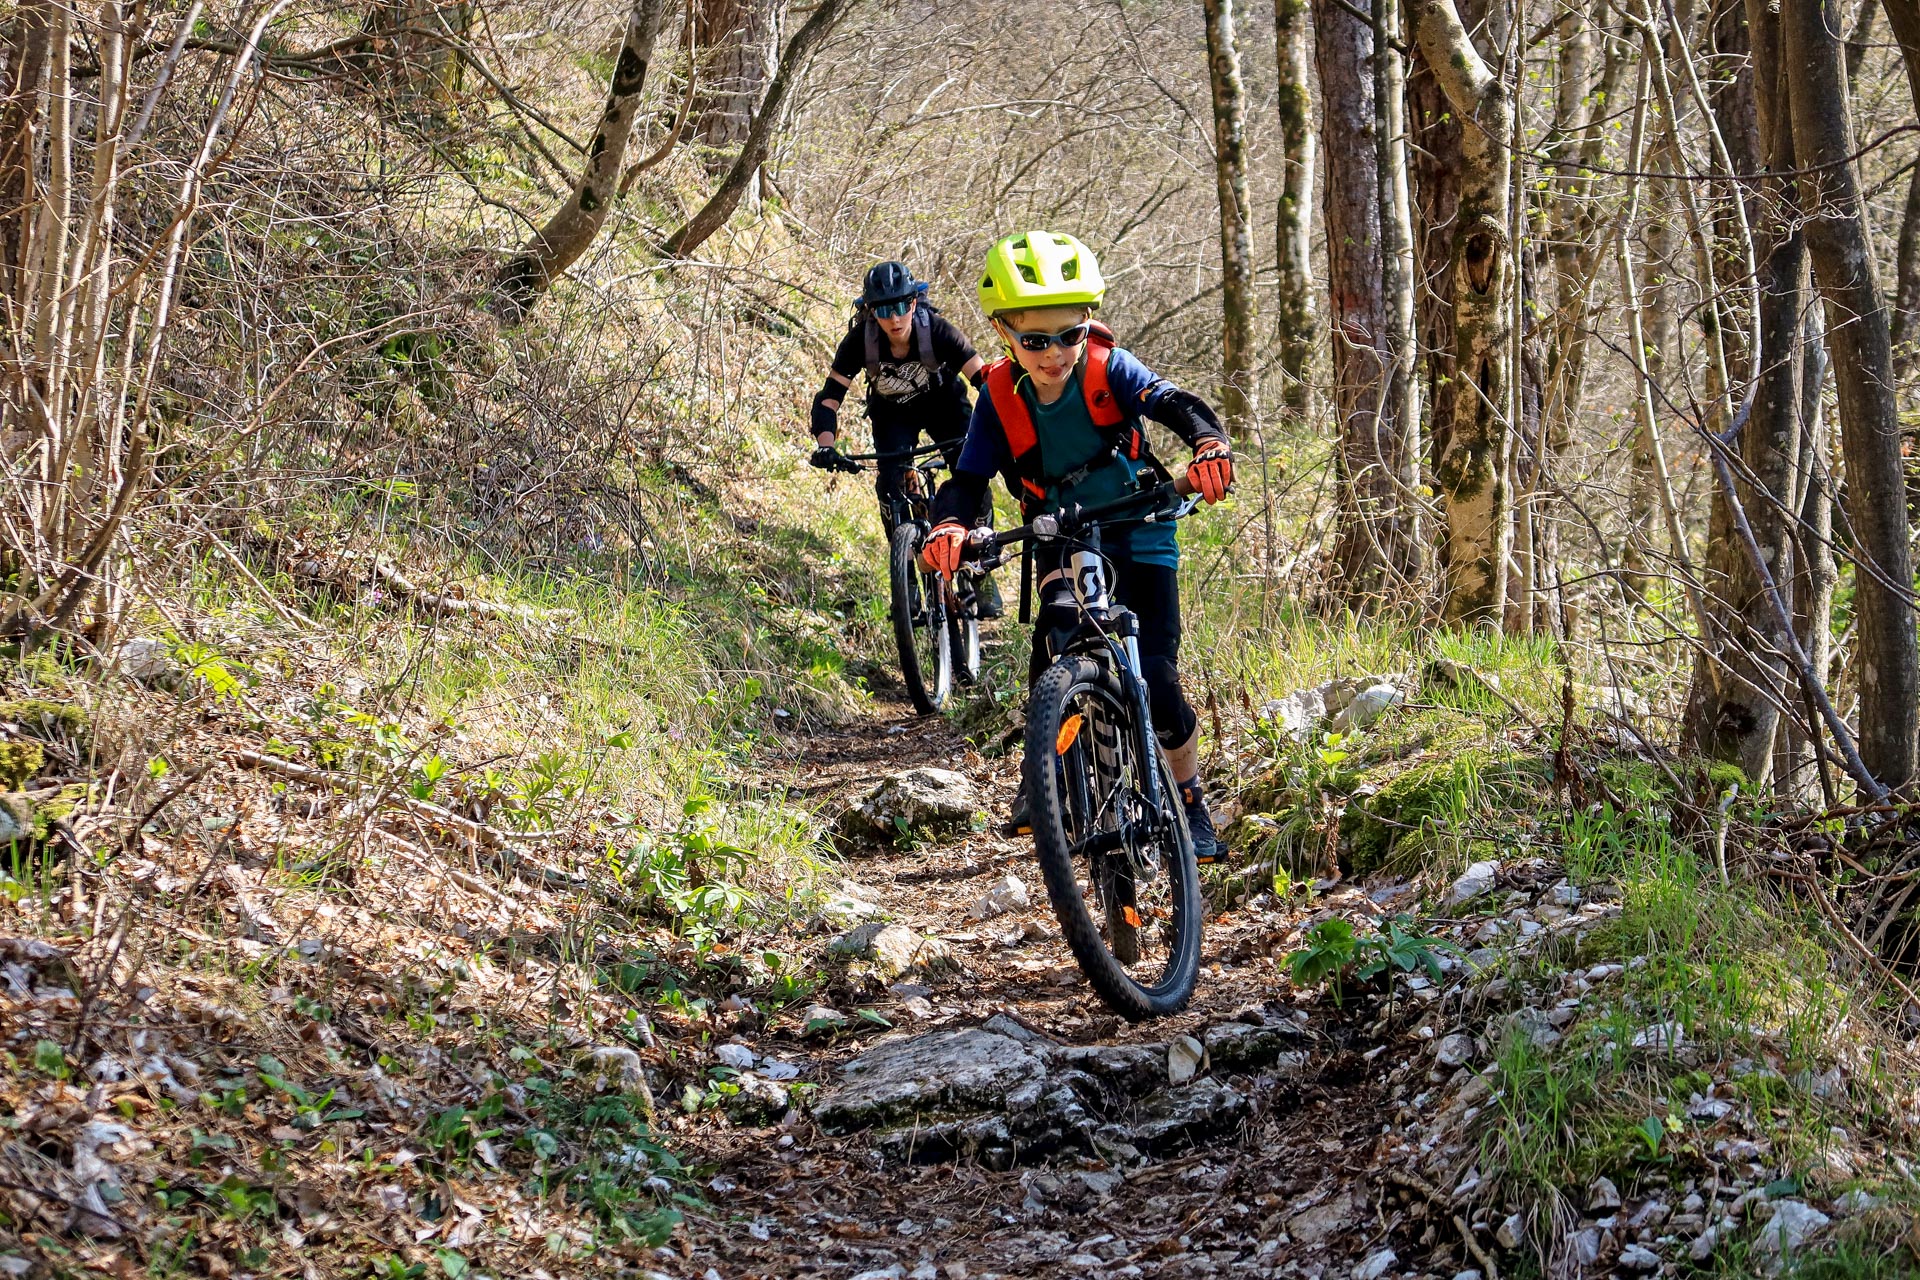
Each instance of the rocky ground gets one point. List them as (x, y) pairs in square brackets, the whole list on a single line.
[(415, 1054), (1007, 1124)]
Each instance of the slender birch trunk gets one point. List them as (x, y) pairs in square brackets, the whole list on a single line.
[(1236, 213), (1293, 228)]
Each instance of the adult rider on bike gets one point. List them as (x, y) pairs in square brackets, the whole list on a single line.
[(915, 361), (1061, 421)]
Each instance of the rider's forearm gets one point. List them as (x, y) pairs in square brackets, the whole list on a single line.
[(1186, 415), (959, 498), (826, 405)]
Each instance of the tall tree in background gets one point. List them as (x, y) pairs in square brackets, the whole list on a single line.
[(1886, 664), (1470, 471), (1903, 16), (1293, 228), (567, 235), (1401, 393), (1741, 680), (753, 151), (1236, 213), (740, 43), (1374, 544)]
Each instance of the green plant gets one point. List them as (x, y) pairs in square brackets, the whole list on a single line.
[(1336, 954)]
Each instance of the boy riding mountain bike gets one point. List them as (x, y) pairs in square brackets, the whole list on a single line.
[(1061, 420), (915, 360)]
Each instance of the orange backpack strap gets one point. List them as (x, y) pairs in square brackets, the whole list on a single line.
[(1015, 422), (1101, 403)]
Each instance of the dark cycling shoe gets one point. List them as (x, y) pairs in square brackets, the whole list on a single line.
[(1207, 850), (986, 594), (1021, 822)]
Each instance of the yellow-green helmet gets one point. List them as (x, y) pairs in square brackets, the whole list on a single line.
[(1039, 269)]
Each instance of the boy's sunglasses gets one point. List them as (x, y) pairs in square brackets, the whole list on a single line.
[(1065, 338), (888, 310)]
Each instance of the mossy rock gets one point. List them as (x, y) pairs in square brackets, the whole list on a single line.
[(47, 720), (1375, 827), (20, 761), (19, 821)]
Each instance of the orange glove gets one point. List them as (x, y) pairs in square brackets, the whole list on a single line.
[(944, 547), (1211, 472)]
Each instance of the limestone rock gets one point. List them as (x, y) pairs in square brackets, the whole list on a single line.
[(1794, 1222), (1477, 879), (1008, 893), (893, 950), (938, 801)]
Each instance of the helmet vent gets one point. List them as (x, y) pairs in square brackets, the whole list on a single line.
[(1027, 274), (1070, 269), (1021, 243)]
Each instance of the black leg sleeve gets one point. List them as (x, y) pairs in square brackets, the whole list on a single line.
[(1153, 593)]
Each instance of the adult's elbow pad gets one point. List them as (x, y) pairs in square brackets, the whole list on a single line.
[(825, 416), (1190, 417)]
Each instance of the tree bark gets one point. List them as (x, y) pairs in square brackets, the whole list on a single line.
[(1402, 393), (753, 152), (1435, 171), (1236, 214), (1887, 665), (568, 234), (1734, 713), (1356, 305), (741, 40), (1293, 229), (1800, 775), (1470, 472), (1903, 16)]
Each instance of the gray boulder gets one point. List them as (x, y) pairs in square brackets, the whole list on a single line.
[(937, 801)]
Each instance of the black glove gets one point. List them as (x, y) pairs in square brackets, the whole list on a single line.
[(828, 458)]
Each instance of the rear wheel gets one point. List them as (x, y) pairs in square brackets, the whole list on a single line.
[(1121, 878), (919, 623)]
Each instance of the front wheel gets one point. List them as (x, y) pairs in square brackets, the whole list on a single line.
[(919, 623), (1121, 876)]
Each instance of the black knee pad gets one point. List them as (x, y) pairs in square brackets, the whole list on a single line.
[(1173, 718)]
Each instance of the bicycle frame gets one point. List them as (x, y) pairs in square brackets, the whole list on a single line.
[(1102, 629)]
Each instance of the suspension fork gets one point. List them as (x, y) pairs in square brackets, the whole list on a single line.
[(1126, 663)]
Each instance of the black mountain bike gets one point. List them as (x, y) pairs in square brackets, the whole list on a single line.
[(936, 626), (1107, 820)]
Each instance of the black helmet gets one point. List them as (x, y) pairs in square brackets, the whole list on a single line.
[(888, 282)]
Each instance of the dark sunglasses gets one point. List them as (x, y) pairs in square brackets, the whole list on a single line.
[(888, 310), (1065, 338)]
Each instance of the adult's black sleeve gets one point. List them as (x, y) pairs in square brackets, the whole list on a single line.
[(1186, 415), (950, 346), (850, 357)]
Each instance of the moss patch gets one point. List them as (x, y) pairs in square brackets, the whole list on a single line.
[(1377, 827), (46, 719), (20, 761)]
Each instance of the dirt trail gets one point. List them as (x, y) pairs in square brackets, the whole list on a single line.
[(803, 1203)]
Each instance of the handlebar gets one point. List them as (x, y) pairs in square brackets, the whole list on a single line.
[(896, 456), (1066, 524)]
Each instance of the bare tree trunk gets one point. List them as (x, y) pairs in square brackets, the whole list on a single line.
[(1798, 771), (1236, 214), (409, 52), (569, 233), (753, 152), (1435, 170), (1397, 281), (1356, 303), (1904, 18), (742, 43), (1293, 230), (1470, 472), (1887, 664), (1735, 714)]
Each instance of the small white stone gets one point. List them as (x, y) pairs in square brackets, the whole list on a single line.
[(1376, 1265)]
